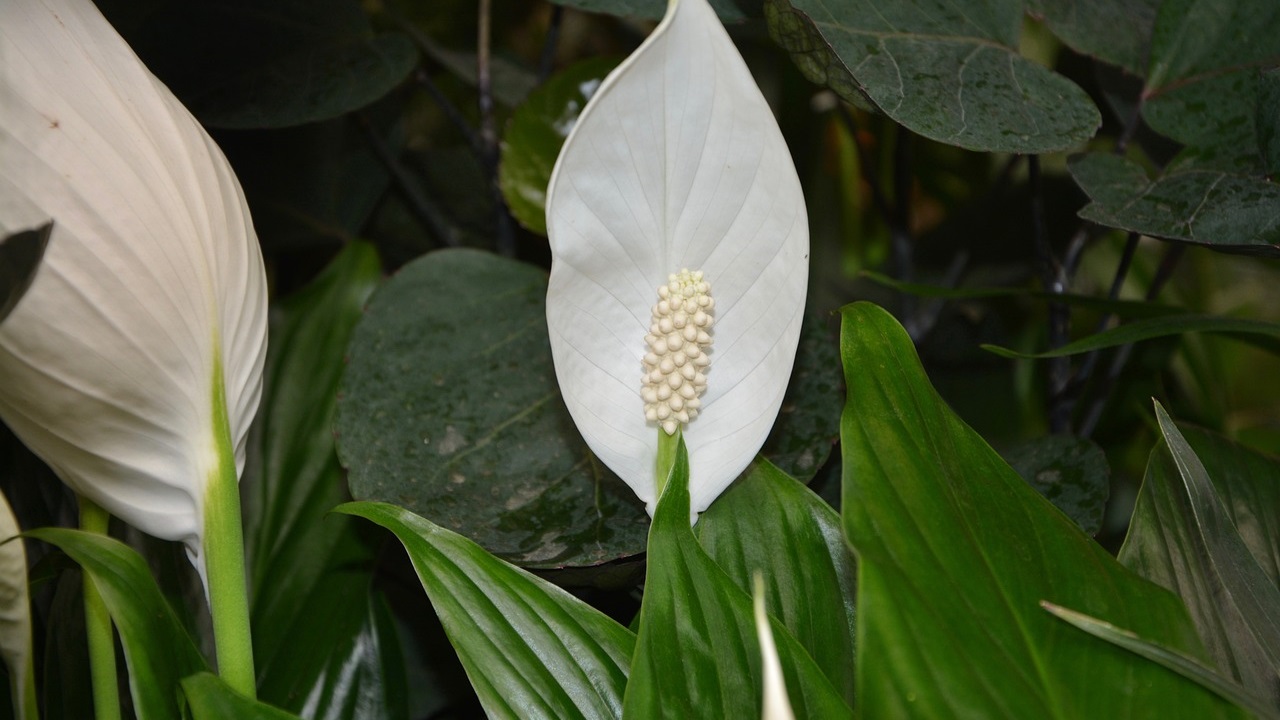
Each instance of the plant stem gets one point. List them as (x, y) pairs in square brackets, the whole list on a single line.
[(101, 637), (419, 206), (505, 241), (224, 558), (667, 445), (547, 61)]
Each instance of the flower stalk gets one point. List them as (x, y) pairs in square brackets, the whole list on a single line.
[(97, 623)]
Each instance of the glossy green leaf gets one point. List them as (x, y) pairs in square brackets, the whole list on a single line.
[(20, 256), (530, 649), (308, 568), (67, 692), (771, 524), (1184, 537), (1181, 663), (955, 555), (535, 133), (697, 654), (157, 649), (1256, 332), (952, 74), (728, 10), (209, 698), (1221, 209), (450, 408), (1115, 32), (1072, 473)]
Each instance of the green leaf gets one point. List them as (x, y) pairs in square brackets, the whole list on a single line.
[(697, 654), (209, 698), (310, 617), (450, 408), (955, 554), (67, 692), (950, 74), (769, 523), (20, 256), (157, 649), (1267, 120), (1181, 663), (728, 10), (530, 649), (1256, 332), (535, 133), (311, 84), (1072, 473), (1184, 538), (1115, 32), (1220, 209)]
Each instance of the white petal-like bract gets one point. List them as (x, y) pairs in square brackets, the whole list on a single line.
[(152, 283), (676, 162), (776, 704), (15, 612)]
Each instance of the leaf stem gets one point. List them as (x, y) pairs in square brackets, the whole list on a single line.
[(98, 629), (547, 61), (667, 445), (505, 239), (224, 557)]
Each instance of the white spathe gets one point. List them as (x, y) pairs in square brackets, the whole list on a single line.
[(152, 278), (774, 701), (676, 162), (15, 613)]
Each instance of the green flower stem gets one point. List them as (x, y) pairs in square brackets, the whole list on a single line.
[(101, 637), (224, 557), (667, 445), (27, 697)]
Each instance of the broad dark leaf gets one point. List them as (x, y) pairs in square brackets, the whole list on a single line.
[(1217, 208), (20, 256), (1072, 473), (157, 649), (955, 555), (1184, 536), (697, 654), (770, 523), (1115, 32), (728, 10), (948, 71), (808, 423), (530, 649)]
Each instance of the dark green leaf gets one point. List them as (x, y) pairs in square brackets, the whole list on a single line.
[(1179, 662), (209, 698), (1267, 120), (1184, 538), (808, 423), (1256, 332), (530, 649), (1216, 208), (1116, 32), (450, 408), (772, 524), (157, 649), (533, 138), (68, 692), (697, 654), (728, 10), (948, 73), (20, 256), (1071, 472), (315, 83), (511, 82), (310, 571), (955, 554)]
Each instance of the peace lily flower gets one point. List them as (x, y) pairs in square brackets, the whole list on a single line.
[(15, 615), (680, 253), (133, 364)]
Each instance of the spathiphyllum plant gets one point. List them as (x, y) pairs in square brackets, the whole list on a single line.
[(15, 617), (680, 254), (133, 363)]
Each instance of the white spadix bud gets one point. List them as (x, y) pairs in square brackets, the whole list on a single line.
[(682, 319)]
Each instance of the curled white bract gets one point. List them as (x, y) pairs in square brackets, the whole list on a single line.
[(152, 283), (676, 162)]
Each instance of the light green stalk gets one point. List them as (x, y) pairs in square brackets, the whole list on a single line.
[(667, 445), (224, 556), (101, 637)]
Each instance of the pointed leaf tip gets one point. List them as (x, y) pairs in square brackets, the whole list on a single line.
[(676, 162)]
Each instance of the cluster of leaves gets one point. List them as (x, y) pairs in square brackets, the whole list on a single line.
[(911, 131)]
